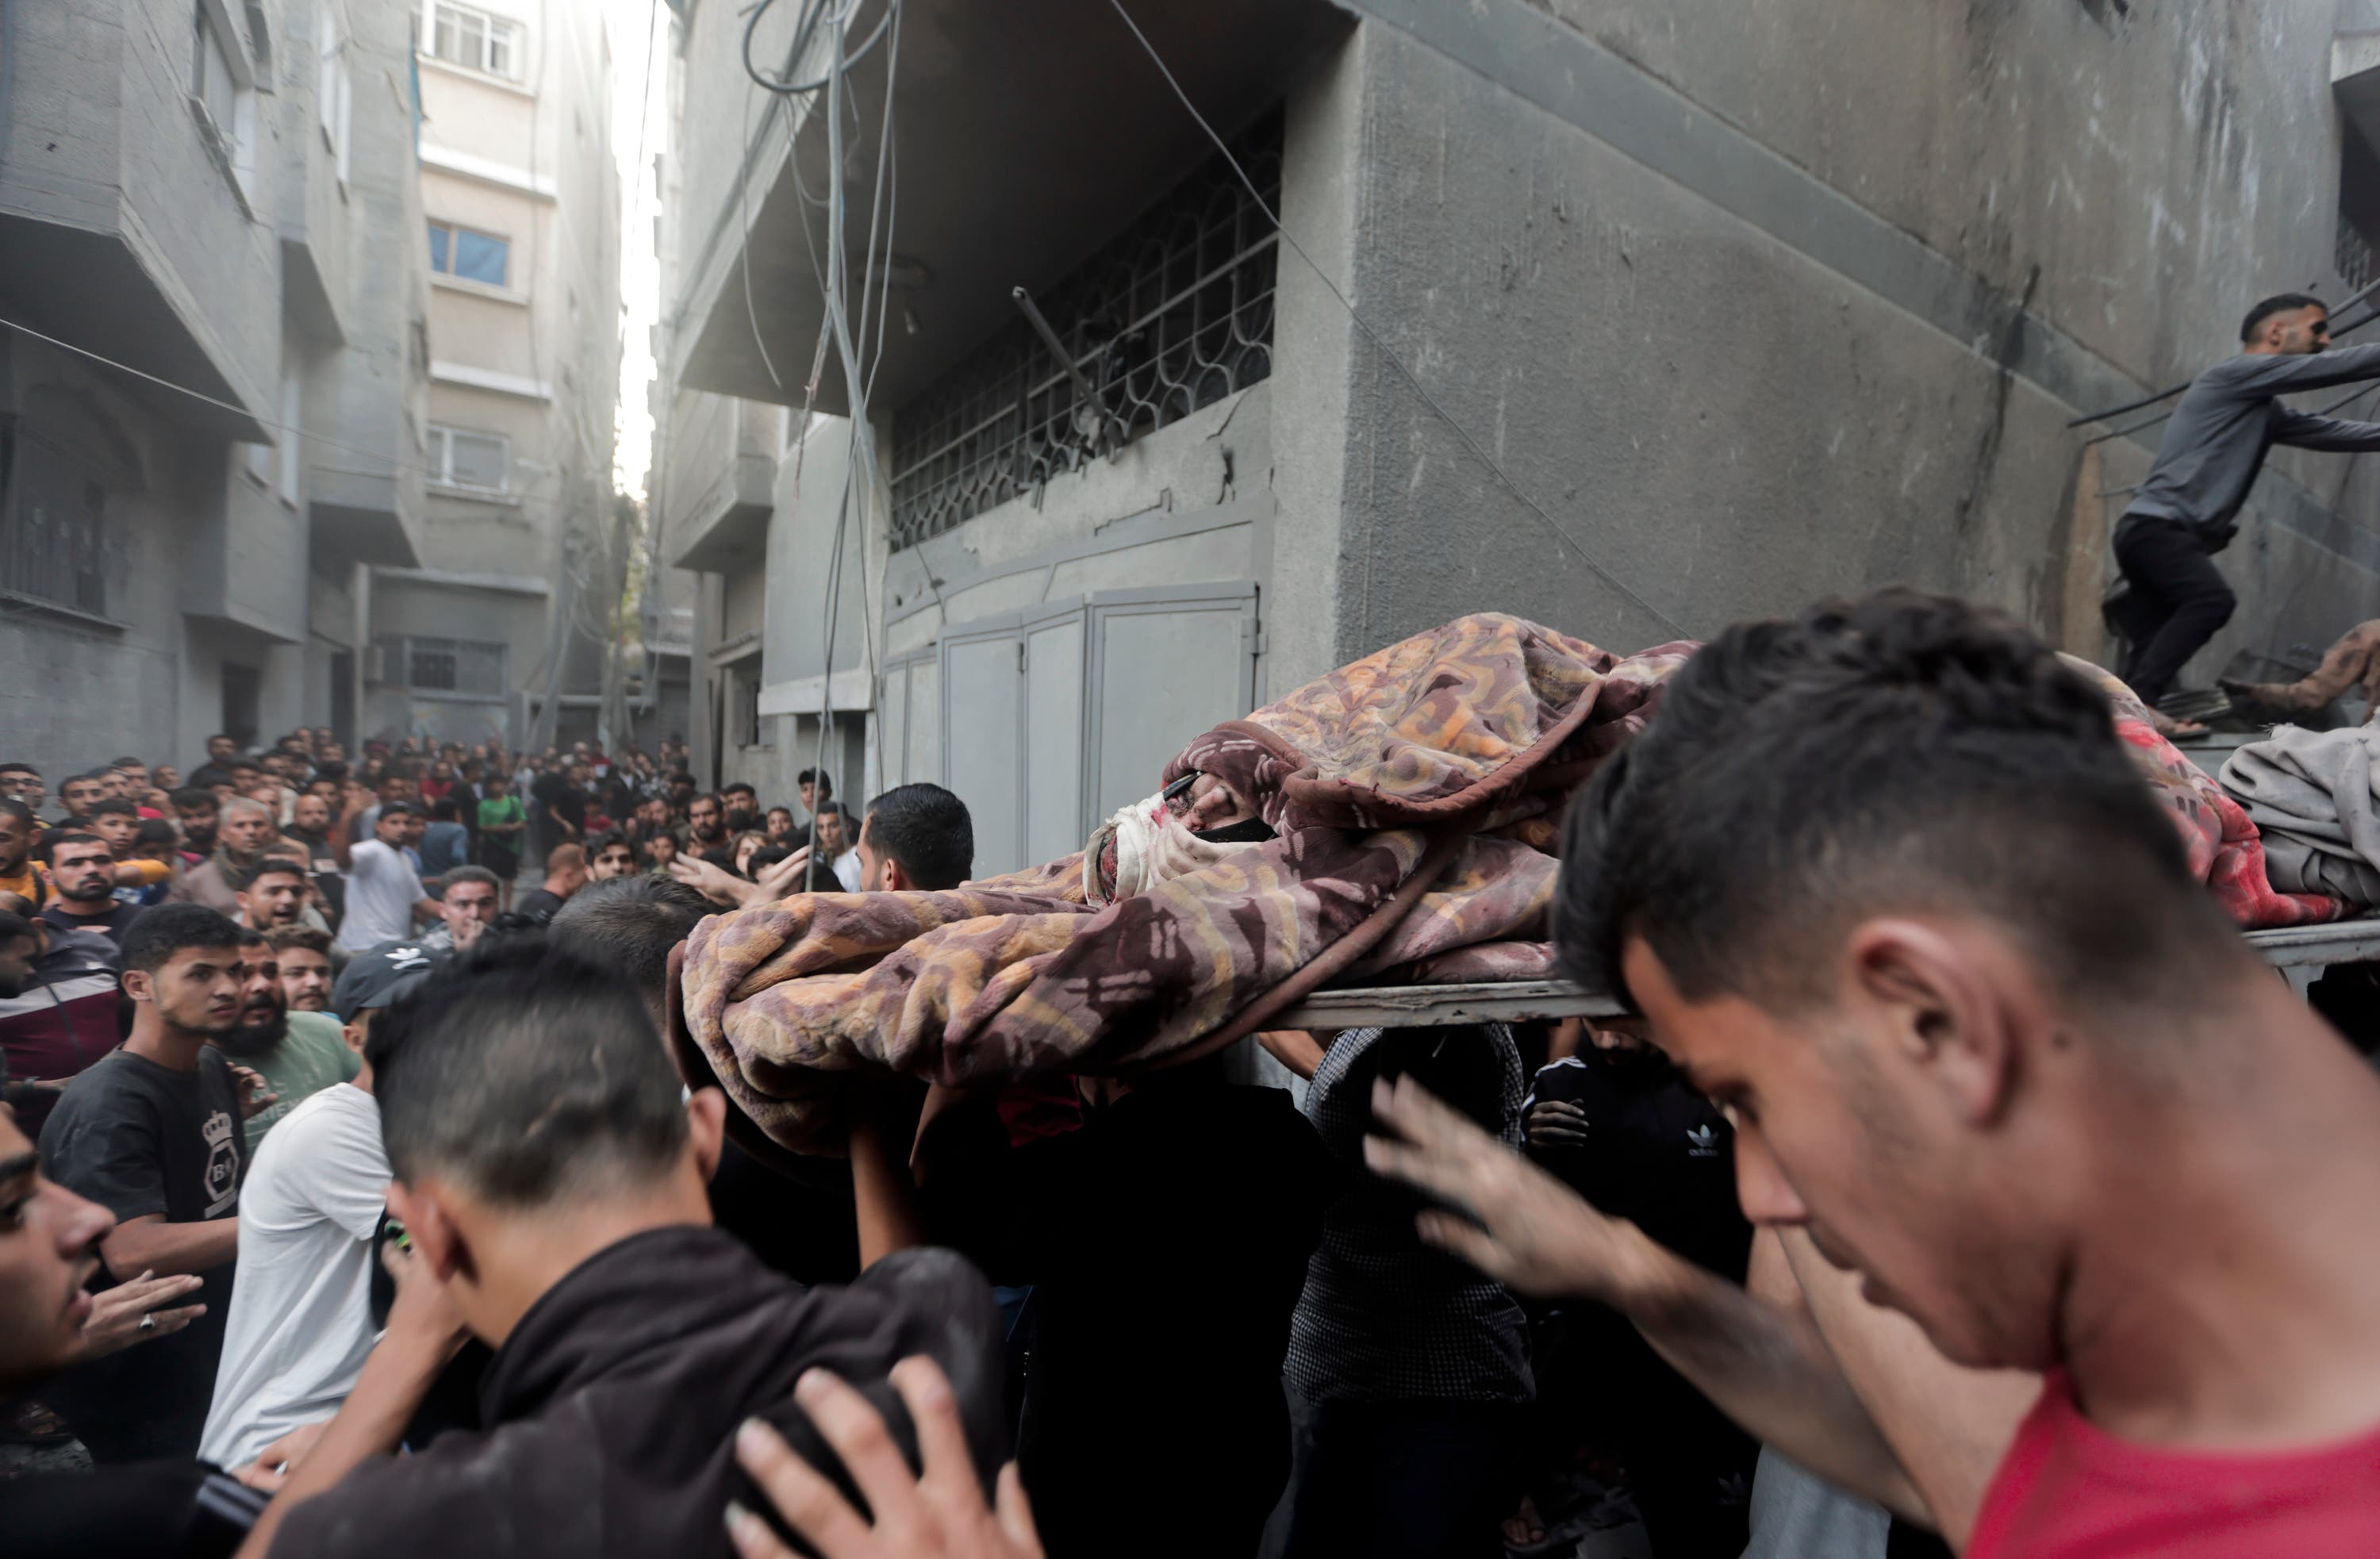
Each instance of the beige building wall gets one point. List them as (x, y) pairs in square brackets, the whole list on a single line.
[(518, 563)]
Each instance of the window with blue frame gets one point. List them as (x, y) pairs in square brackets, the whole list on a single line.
[(469, 255)]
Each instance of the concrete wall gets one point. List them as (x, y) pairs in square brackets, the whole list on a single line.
[(1761, 308)]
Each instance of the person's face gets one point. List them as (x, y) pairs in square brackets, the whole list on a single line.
[(305, 980), (441, 770), (17, 957), (468, 909), (166, 777), (781, 825), (24, 786), (613, 860), (331, 752), (198, 990), (79, 794), (393, 829), (1879, 1120), (117, 830), (809, 796), (246, 777), (49, 1249), (198, 824), (704, 816), (2301, 332), (745, 849), (15, 839), (311, 814), (136, 779), (83, 872), (262, 1001), (829, 835), (111, 785), (416, 825), (277, 898), (396, 787), (664, 850), (246, 829), (220, 748)]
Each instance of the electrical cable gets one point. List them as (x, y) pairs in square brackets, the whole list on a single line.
[(802, 33), (2169, 393), (1380, 345)]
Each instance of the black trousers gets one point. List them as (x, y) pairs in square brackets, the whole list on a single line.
[(2179, 599)]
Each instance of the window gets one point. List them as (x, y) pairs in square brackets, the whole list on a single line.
[(461, 458), (469, 667), (54, 543), (475, 40), (469, 255), (2359, 210), (335, 88), (747, 709), (1173, 314), (224, 104)]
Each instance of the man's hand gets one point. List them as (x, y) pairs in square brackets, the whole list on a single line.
[(115, 1315), (253, 1099), (777, 881), (1531, 1231), (719, 886), (1555, 1125), (274, 1465), (422, 1310), (938, 1516)]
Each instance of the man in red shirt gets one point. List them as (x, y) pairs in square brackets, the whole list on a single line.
[(1890, 890)]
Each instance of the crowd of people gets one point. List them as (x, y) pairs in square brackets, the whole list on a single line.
[(1966, 1182)]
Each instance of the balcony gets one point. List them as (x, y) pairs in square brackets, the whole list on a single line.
[(1028, 131), (722, 485)]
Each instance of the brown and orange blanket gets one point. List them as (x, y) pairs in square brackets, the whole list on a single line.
[(1414, 794)]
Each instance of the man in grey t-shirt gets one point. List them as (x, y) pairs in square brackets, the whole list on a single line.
[(2187, 509)]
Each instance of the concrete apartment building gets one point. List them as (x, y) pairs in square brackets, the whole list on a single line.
[(511, 600), (1754, 305), (210, 194)]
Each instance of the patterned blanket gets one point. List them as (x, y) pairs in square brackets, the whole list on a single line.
[(1415, 795), (1410, 792)]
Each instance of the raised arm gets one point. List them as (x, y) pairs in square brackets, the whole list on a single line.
[(2278, 375), (2306, 430), (1765, 1366)]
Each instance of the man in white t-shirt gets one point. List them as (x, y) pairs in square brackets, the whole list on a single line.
[(300, 1323), (385, 891)]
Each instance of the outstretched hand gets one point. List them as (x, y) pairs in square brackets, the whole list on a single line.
[(712, 881), (1511, 1220), (937, 1515), (114, 1323)]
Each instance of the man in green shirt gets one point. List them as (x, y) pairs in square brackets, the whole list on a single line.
[(298, 1054)]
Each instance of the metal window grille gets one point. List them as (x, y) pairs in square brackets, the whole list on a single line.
[(1173, 314), (454, 665), (55, 541)]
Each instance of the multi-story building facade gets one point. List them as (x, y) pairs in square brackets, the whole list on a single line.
[(499, 631), (1663, 315), (208, 196)]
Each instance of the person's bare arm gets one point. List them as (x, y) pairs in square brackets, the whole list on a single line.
[(1949, 1426), (887, 1202), (1294, 1048), (1763, 1366), (423, 1333), (150, 1244)]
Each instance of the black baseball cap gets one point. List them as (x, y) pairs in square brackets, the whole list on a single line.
[(378, 976)]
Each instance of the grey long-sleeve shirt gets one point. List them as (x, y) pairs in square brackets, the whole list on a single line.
[(2215, 441)]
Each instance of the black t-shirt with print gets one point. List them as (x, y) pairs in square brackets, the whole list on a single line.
[(139, 1138)]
